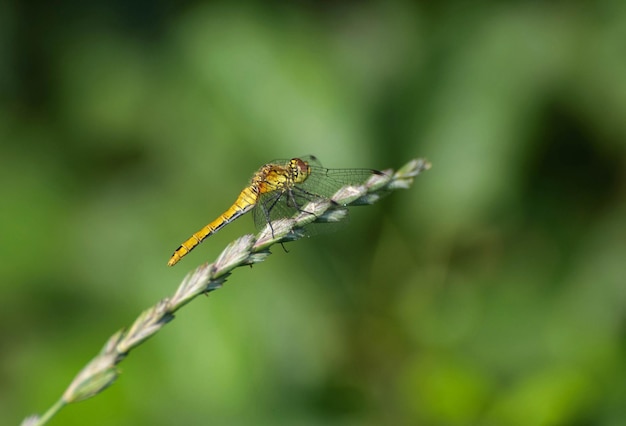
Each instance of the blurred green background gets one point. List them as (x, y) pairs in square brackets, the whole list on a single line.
[(493, 292)]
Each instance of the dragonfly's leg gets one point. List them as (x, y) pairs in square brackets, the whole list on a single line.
[(268, 209), (307, 195), (283, 246), (293, 202)]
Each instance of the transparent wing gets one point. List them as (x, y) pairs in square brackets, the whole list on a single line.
[(323, 182), (277, 205)]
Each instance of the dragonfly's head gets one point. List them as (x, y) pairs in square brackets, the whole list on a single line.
[(300, 170)]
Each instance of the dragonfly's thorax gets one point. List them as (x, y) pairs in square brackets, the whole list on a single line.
[(278, 177)]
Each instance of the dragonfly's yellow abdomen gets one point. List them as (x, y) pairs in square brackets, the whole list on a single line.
[(247, 200)]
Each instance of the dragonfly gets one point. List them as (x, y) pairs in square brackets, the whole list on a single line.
[(277, 190)]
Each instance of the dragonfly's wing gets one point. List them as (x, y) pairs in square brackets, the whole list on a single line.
[(283, 204), (276, 205), (325, 182), (322, 183)]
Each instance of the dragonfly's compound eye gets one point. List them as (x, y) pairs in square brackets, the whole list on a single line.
[(300, 170)]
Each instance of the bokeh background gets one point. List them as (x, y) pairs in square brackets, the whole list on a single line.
[(493, 292)]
